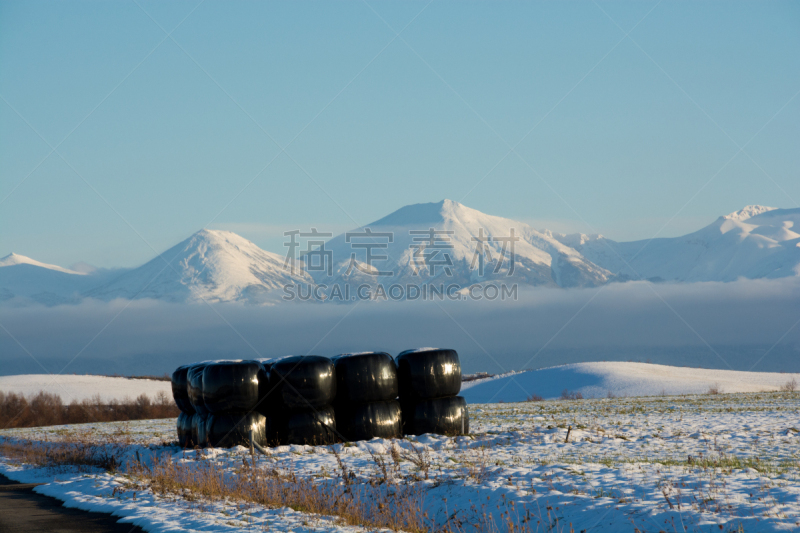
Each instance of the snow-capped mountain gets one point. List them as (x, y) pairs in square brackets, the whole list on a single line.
[(445, 242), (13, 259), (755, 242), (47, 284), (211, 265), (435, 243)]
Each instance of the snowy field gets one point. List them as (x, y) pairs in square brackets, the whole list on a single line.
[(74, 387), (591, 380), (725, 462), (603, 379)]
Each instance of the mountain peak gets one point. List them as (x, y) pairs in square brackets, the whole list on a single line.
[(218, 239), (213, 234), (420, 214), (211, 265), (429, 214), (17, 259), (748, 212)]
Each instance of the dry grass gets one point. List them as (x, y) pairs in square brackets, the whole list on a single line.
[(391, 507), (75, 451), (382, 500), (46, 409), (372, 505)]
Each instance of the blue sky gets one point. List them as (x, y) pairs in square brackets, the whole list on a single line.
[(157, 136)]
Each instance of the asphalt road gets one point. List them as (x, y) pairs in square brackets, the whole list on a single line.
[(21, 509)]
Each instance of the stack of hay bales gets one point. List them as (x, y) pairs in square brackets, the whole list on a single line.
[(313, 400), (430, 380), (366, 396), (299, 406)]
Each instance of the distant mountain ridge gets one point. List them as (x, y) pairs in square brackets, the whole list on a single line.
[(430, 243), (755, 242), (13, 259)]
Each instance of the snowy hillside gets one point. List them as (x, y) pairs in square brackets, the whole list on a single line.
[(756, 242), (216, 266), (72, 387), (450, 256), (598, 380)]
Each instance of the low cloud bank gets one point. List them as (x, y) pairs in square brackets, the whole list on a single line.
[(740, 325)]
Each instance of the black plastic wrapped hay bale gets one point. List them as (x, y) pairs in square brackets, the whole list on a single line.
[(365, 377), (308, 426), (200, 430), (185, 439), (226, 430), (365, 421), (428, 373), (234, 386), (444, 416), (301, 382), (194, 377), (180, 389)]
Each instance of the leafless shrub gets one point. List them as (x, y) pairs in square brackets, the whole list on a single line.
[(570, 395), (714, 389), (347, 475), (47, 409), (394, 453), (535, 398), (420, 458), (381, 470), (789, 386)]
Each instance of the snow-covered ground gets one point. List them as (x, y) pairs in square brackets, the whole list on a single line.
[(603, 379), (728, 462), (74, 387), (592, 380)]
